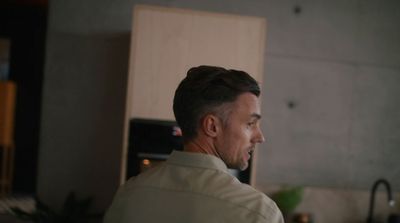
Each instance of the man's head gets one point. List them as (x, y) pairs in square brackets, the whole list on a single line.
[(205, 90), (228, 101)]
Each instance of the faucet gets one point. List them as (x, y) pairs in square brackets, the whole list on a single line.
[(372, 198)]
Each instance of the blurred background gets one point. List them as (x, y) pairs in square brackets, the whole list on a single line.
[(330, 99)]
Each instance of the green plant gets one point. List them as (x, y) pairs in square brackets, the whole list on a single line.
[(287, 199), (73, 211)]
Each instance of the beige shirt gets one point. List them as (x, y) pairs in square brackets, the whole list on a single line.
[(190, 188)]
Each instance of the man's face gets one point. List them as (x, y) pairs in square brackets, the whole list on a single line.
[(241, 133)]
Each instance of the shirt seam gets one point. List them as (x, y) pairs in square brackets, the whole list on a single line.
[(200, 167)]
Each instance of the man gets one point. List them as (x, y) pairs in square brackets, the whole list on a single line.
[(218, 111)]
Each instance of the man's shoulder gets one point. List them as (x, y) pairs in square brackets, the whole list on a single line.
[(243, 196)]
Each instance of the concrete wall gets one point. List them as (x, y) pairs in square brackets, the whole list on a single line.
[(337, 63), (330, 101)]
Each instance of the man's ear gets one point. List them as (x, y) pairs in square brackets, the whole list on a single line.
[(211, 125)]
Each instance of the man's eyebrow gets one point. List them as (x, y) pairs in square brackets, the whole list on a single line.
[(256, 115)]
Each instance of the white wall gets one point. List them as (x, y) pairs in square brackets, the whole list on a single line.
[(339, 61)]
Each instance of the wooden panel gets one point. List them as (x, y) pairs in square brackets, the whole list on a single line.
[(167, 42), (7, 107)]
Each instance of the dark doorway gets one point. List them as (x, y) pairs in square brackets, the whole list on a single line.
[(24, 24)]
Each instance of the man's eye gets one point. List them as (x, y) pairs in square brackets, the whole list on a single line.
[(250, 124)]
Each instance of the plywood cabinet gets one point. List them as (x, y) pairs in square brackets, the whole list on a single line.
[(166, 42)]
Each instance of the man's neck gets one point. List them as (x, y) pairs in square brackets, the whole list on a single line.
[(200, 146)]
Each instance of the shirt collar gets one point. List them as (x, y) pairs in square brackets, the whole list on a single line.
[(197, 160)]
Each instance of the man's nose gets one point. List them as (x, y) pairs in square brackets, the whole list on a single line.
[(259, 136)]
